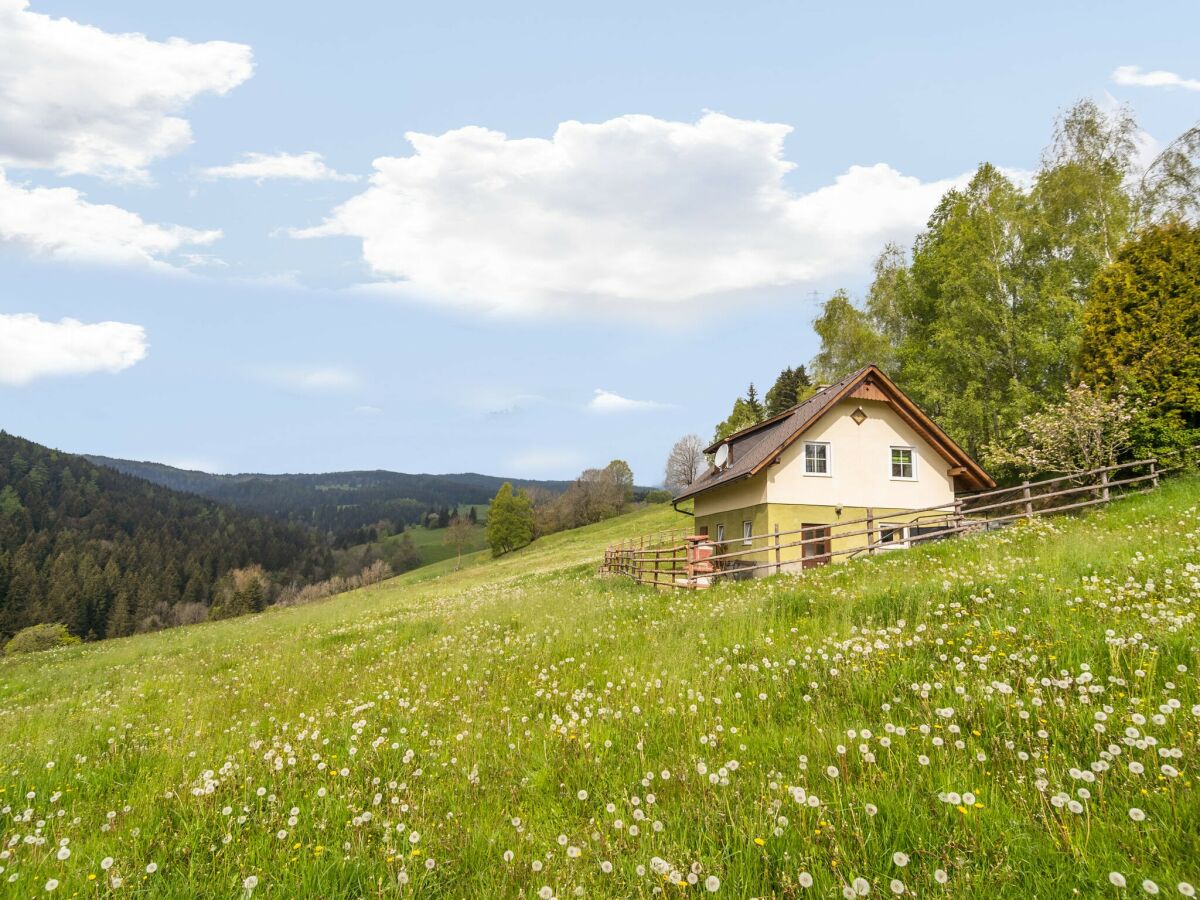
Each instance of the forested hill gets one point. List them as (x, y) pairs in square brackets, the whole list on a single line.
[(108, 554), (333, 502)]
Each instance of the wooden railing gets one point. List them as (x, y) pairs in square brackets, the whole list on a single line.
[(683, 560)]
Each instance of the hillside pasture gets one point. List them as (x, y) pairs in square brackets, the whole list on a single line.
[(1012, 714)]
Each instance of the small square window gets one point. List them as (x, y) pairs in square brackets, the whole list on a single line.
[(747, 532), (816, 459), (892, 537), (902, 463)]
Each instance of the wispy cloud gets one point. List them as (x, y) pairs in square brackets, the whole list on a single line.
[(366, 410), (315, 378), (31, 348), (1133, 76), (546, 462), (608, 402), (309, 166), (498, 401)]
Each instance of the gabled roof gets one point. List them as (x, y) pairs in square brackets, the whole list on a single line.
[(753, 449)]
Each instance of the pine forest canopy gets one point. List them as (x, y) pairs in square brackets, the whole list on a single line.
[(108, 554)]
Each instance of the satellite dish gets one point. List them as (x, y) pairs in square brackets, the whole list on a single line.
[(722, 458)]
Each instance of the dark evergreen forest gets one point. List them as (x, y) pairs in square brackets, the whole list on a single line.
[(108, 554)]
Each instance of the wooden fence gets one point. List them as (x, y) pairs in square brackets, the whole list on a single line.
[(682, 560)]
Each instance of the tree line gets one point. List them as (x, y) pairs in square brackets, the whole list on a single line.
[(341, 506), (1017, 292), (516, 517)]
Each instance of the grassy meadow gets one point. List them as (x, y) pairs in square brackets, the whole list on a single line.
[(1013, 714), (430, 543)]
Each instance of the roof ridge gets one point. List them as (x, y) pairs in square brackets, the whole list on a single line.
[(791, 410)]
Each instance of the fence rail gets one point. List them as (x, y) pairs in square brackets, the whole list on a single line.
[(677, 559)]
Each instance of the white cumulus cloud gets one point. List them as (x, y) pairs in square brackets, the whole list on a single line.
[(79, 100), (31, 348), (59, 223), (1133, 76), (309, 166), (608, 402), (636, 210)]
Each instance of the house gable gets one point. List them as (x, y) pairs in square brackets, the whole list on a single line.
[(859, 462), (755, 449)]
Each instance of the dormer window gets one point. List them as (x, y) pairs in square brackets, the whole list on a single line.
[(816, 458)]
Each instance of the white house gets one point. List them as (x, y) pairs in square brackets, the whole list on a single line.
[(855, 450)]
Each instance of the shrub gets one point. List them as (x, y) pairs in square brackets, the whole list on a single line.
[(36, 638), (1085, 431)]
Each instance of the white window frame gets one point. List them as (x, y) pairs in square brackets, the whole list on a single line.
[(747, 533), (912, 451), (720, 532), (828, 473), (902, 540)]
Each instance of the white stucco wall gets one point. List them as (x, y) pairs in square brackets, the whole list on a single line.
[(860, 464)]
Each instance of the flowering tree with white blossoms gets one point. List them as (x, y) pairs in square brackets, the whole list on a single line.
[(1085, 431)]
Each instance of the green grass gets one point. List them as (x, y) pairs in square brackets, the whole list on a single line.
[(590, 541), (525, 705), (431, 542)]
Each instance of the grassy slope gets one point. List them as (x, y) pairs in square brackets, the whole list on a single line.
[(430, 543), (459, 705)]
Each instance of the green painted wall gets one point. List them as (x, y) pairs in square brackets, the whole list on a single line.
[(733, 520), (790, 517)]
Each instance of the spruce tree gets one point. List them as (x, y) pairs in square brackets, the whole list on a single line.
[(754, 405)]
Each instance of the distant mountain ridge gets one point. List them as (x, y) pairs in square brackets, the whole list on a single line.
[(333, 502)]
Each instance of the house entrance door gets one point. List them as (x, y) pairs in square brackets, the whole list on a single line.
[(816, 553)]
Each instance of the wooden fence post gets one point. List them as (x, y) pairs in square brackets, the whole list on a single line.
[(1154, 472), (958, 515), (1104, 486), (1028, 499), (870, 531), (778, 557)]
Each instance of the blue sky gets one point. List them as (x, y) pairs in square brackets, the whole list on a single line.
[(464, 308)]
